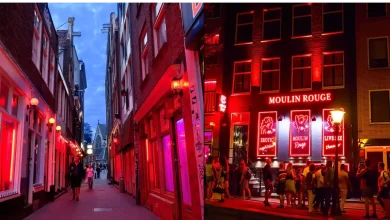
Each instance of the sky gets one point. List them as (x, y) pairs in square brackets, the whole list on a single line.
[(91, 48)]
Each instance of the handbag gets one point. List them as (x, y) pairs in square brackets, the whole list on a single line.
[(86, 180), (218, 188)]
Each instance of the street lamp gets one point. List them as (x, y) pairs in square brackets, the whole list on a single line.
[(337, 117), (50, 123)]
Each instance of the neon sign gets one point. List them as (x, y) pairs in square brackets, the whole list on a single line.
[(222, 103), (328, 135), (266, 144), (300, 133), (303, 98)]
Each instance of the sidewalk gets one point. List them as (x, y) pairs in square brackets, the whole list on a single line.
[(102, 202)]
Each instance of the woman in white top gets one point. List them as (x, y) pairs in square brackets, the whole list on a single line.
[(90, 175)]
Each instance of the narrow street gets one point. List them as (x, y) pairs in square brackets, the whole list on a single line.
[(113, 205)]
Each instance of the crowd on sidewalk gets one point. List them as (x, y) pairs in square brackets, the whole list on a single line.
[(296, 186)]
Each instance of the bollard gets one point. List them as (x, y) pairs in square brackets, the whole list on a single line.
[(121, 185)]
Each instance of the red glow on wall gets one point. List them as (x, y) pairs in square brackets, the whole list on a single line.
[(222, 103), (300, 98), (266, 134), (328, 135), (300, 135)]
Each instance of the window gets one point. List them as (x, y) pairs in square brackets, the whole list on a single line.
[(270, 72), (333, 21), (301, 20), (160, 28), (271, 24), (59, 98), (15, 104), (379, 106), (36, 54), (152, 159), (152, 128), (210, 96), (333, 69), (168, 168), (45, 58), (7, 153), (51, 71), (242, 76), (301, 72), (378, 52), (244, 27), (208, 140), (376, 10), (144, 54), (38, 151)]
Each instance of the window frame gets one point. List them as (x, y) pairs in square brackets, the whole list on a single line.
[(387, 12), (302, 16), (231, 131), (144, 51), (39, 130), (252, 23), (280, 25), (342, 20), (234, 77), (157, 20), (37, 40), (369, 109), (311, 72), (368, 52), (261, 74), (206, 97), (323, 69)]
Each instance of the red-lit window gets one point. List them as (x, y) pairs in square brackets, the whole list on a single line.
[(37, 38), (376, 10), (144, 53), (244, 27), (7, 154), (152, 128), (164, 123), (160, 27), (152, 160), (242, 76), (301, 72), (333, 21), (333, 69), (210, 96), (378, 52), (272, 24), (270, 73), (168, 163), (301, 20), (208, 142), (211, 40)]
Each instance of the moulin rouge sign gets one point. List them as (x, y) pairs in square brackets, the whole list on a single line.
[(300, 133), (301, 98), (266, 145), (328, 135)]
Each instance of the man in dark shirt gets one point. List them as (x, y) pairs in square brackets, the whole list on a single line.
[(267, 179)]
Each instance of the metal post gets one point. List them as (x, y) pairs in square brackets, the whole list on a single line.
[(336, 193)]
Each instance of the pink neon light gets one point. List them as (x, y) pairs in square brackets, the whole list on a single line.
[(327, 133), (147, 150), (12, 156), (266, 134), (211, 82), (300, 133)]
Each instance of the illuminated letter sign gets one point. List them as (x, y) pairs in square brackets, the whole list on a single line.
[(266, 143), (300, 133), (328, 135), (222, 103), (302, 98)]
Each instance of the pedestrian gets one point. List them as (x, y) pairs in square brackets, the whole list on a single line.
[(383, 185), (244, 180), (298, 186), (210, 177), (290, 184), (280, 184), (367, 185), (98, 169), (76, 173), (328, 186), (344, 186), (267, 179), (219, 181), (310, 183), (319, 191), (225, 175), (90, 173), (304, 187)]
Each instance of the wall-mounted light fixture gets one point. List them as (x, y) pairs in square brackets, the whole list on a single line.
[(33, 105), (280, 118), (177, 86), (313, 118), (58, 128), (50, 123)]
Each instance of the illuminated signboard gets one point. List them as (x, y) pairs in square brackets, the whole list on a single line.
[(301, 98), (267, 141), (300, 133), (328, 135), (222, 103)]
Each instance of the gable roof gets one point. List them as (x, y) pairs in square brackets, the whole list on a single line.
[(103, 130)]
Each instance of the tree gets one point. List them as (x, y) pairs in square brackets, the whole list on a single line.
[(87, 133)]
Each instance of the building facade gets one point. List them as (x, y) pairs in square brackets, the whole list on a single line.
[(273, 74), (99, 144), (372, 54)]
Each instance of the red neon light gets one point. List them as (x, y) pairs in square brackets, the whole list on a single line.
[(300, 133), (266, 134), (302, 98), (222, 103), (328, 138), (196, 8), (12, 156)]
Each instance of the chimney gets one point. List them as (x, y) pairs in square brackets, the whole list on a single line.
[(70, 28)]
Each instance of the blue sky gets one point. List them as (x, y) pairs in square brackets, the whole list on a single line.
[(91, 48)]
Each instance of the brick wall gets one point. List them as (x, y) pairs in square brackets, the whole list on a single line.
[(16, 34), (369, 79)]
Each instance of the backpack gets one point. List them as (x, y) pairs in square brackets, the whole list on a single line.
[(248, 174), (371, 178)]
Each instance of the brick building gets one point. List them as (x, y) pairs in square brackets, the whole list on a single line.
[(279, 71), (373, 80)]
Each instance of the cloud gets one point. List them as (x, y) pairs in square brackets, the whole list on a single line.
[(100, 89)]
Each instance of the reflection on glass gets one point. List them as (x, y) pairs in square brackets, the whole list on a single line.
[(182, 147), (168, 163), (240, 143)]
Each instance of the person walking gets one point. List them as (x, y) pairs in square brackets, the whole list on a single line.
[(290, 184), (267, 179), (280, 184), (225, 175), (76, 173), (244, 180), (90, 174), (210, 177), (298, 186), (383, 185), (310, 183), (319, 192), (328, 186), (304, 187), (367, 185), (219, 181), (344, 185), (98, 170)]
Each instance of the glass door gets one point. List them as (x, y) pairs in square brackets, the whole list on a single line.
[(239, 148)]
